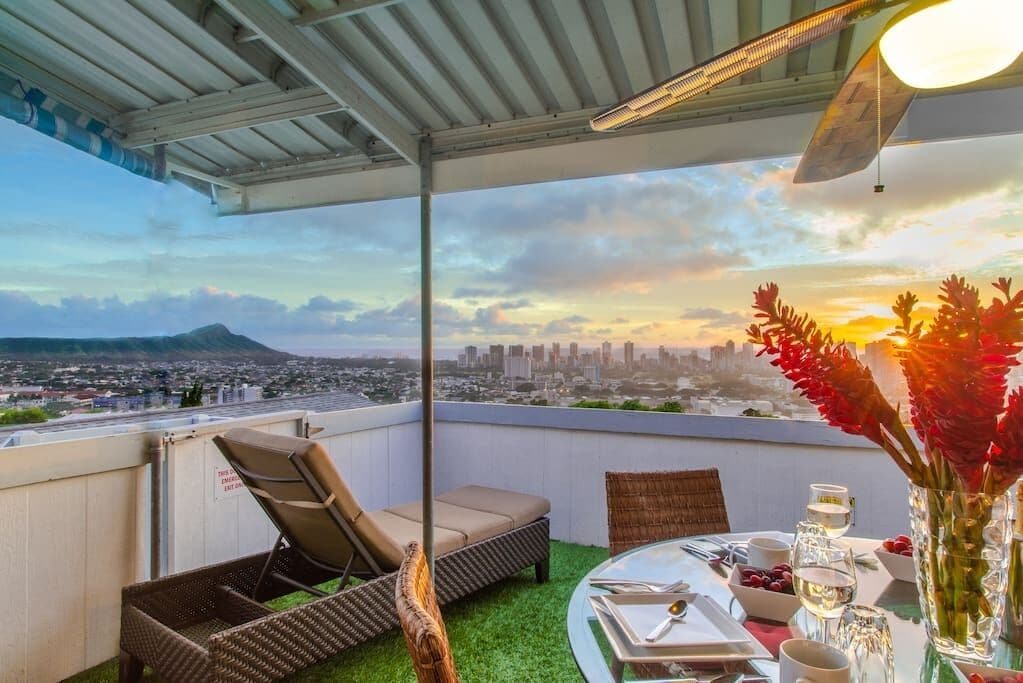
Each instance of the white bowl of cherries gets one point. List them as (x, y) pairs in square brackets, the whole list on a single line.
[(896, 554), (764, 593)]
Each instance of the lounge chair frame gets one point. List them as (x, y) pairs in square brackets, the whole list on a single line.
[(347, 571), (201, 625)]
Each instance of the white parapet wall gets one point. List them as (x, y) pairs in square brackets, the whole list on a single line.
[(766, 465), (71, 535), (75, 512)]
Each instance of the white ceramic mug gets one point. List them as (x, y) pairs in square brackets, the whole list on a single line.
[(767, 552), (807, 661)]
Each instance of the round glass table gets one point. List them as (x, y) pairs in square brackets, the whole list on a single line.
[(666, 562)]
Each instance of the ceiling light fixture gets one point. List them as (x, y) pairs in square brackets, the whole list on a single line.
[(951, 42)]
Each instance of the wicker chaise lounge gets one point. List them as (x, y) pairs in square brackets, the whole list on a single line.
[(209, 624)]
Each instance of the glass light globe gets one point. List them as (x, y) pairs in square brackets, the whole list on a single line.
[(954, 42)]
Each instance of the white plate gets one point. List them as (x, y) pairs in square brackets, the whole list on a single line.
[(964, 669), (625, 651), (640, 613)]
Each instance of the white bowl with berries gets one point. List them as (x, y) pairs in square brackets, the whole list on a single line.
[(764, 593), (976, 673), (896, 554)]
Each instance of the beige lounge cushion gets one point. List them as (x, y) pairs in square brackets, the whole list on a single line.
[(474, 525), (312, 530), (521, 508), (404, 531)]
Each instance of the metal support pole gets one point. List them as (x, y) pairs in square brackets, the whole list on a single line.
[(426, 289), (156, 507)]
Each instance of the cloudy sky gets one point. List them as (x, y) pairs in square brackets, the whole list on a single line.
[(659, 258)]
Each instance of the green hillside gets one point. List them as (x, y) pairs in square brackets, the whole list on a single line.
[(212, 342)]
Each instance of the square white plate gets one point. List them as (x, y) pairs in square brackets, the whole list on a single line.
[(625, 651), (964, 669), (640, 613)]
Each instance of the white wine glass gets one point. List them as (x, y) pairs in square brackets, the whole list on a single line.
[(829, 506), (824, 578)]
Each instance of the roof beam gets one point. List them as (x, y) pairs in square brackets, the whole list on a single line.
[(346, 8), (243, 107), (182, 169), (322, 69)]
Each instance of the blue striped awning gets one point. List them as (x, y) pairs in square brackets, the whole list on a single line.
[(35, 109)]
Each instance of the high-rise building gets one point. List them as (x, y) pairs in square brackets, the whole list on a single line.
[(882, 359), (470, 356), (517, 367), (748, 355), (605, 354), (630, 350), (538, 358), (851, 346), (555, 355), (497, 356), (591, 373), (516, 351), (573, 351)]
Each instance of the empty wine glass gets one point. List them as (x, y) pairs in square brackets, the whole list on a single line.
[(829, 506), (806, 528), (824, 577), (864, 636)]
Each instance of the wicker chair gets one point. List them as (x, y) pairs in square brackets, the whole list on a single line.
[(420, 618), (644, 507)]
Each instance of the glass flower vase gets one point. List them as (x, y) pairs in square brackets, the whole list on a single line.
[(1012, 629), (961, 544)]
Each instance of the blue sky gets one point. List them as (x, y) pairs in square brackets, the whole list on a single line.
[(660, 258)]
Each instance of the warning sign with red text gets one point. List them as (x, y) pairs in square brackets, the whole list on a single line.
[(226, 482)]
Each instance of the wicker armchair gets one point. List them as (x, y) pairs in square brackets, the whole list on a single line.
[(421, 621), (644, 507)]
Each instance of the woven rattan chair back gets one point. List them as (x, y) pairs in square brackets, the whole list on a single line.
[(644, 507), (421, 621)]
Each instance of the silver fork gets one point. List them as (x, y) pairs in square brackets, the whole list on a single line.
[(679, 586)]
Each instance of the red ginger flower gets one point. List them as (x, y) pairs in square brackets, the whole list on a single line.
[(825, 373), (956, 373), (1005, 460)]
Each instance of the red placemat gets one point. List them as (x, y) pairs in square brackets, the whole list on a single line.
[(771, 634)]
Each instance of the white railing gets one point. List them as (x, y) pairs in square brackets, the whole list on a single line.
[(75, 514)]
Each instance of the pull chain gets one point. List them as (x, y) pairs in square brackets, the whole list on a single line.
[(879, 187)]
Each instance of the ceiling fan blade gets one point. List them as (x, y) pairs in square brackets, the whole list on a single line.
[(846, 139), (735, 62)]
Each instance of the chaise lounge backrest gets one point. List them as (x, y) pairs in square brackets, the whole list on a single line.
[(296, 482)]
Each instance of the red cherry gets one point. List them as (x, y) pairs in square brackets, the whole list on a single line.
[(775, 586), (907, 553), (976, 678), (904, 538), (899, 547), (787, 577), (889, 545), (756, 581), (1019, 678)]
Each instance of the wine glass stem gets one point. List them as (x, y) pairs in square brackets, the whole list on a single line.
[(823, 628)]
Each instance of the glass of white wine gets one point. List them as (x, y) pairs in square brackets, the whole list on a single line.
[(824, 577), (829, 506)]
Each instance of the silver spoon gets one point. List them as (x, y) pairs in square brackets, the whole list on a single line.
[(676, 611)]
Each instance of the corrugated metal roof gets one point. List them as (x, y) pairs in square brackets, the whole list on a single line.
[(480, 77)]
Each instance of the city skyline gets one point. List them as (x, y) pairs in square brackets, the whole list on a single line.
[(668, 257)]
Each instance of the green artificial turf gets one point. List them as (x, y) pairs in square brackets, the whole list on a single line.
[(511, 631)]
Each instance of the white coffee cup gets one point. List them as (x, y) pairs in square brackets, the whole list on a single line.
[(807, 661), (767, 552)]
